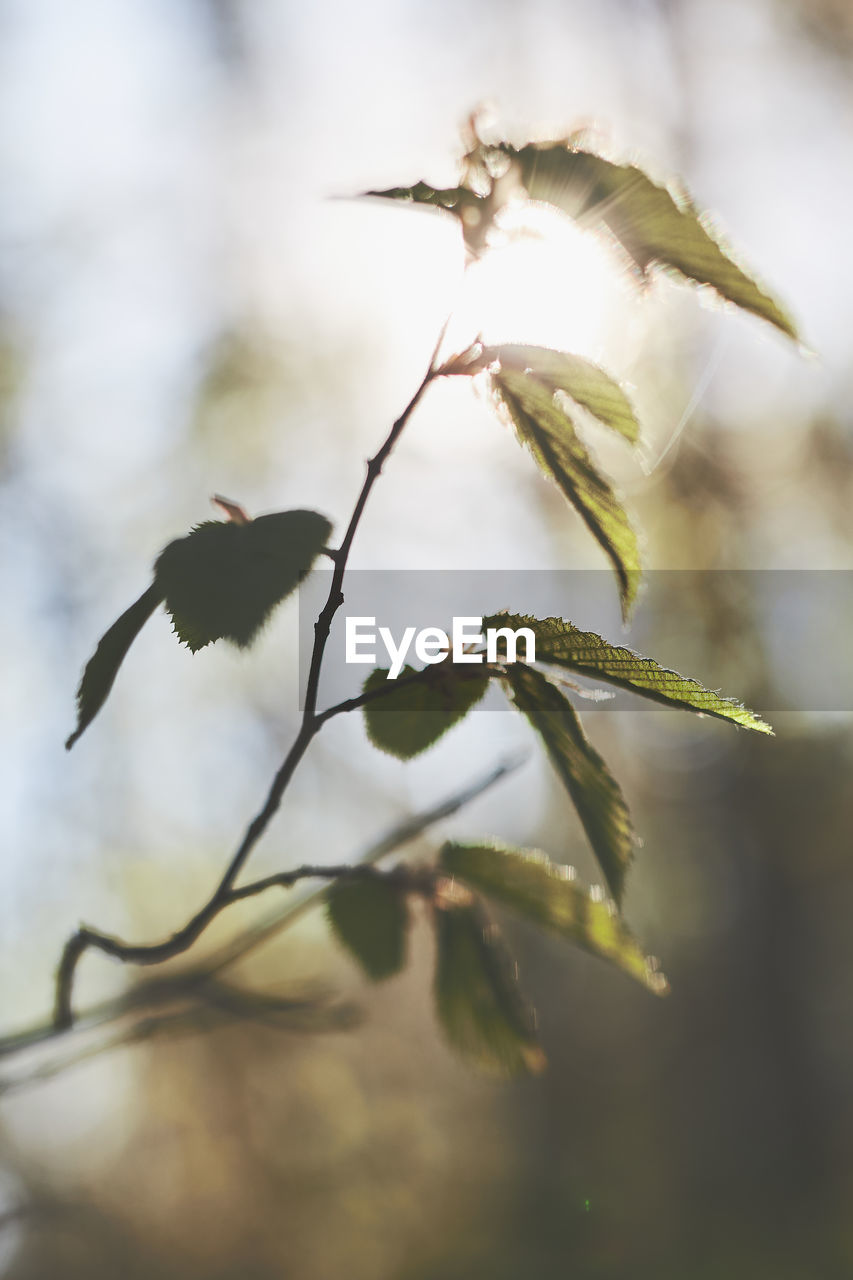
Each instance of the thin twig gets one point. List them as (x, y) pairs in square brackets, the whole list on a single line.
[(406, 831), (190, 1008), (85, 938), (156, 953), (195, 982), (418, 677)]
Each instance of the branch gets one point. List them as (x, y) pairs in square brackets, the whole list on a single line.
[(192, 1005), (406, 831), (86, 938), (310, 722), (153, 993)]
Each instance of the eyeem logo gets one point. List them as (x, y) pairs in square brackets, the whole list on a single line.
[(432, 644)]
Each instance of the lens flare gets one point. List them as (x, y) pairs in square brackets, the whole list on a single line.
[(544, 282)]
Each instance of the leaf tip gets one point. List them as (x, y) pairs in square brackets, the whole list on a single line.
[(657, 982), (750, 720), (630, 587)]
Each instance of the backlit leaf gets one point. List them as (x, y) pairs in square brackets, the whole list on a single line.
[(102, 668), (478, 1001), (592, 787), (454, 199), (652, 223), (413, 712), (549, 895), (585, 382), (370, 918), (474, 212), (223, 580), (550, 435), (561, 643)]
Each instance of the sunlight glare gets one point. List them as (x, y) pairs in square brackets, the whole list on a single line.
[(547, 283)]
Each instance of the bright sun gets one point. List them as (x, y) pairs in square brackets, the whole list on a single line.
[(547, 284)]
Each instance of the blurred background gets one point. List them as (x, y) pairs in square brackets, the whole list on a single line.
[(190, 302)]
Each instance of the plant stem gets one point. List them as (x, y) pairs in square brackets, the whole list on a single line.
[(156, 991), (85, 938), (195, 984), (146, 954), (391, 686)]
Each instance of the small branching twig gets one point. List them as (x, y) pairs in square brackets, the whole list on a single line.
[(85, 938), (196, 983)]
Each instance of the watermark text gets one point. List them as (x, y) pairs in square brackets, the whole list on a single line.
[(433, 644)]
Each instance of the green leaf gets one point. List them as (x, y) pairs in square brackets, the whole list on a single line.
[(592, 787), (102, 668), (369, 917), (529, 883), (550, 435), (653, 224), (586, 383), (478, 1001), (561, 643), (223, 580), (454, 199), (413, 712), (475, 212)]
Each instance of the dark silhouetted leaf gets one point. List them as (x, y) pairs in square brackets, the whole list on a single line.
[(223, 580), (550, 435), (415, 710), (653, 224), (369, 917), (594, 791), (561, 643), (102, 667), (478, 1002), (585, 382), (550, 896)]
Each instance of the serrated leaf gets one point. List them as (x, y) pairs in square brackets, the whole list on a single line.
[(223, 580), (477, 998), (564, 645), (653, 224), (550, 435), (529, 883), (595, 793), (102, 668), (583, 381), (414, 711), (369, 916)]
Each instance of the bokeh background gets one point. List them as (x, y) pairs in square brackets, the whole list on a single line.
[(190, 303)]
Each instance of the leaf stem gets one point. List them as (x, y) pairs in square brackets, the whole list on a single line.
[(156, 953), (391, 686), (195, 983)]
